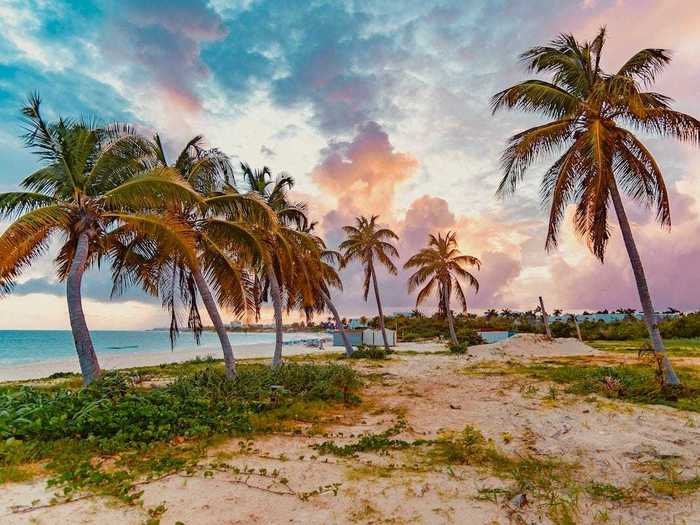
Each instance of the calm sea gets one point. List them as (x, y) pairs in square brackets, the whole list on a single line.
[(18, 347)]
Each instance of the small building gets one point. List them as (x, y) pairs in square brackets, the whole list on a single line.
[(367, 337), (355, 337), (356, 324), (492, 336), (372, 337)]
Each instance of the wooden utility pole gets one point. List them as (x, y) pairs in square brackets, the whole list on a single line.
[(578, 328), (545, 319)]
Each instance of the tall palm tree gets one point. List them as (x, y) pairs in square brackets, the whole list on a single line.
[(282, 266), (223, 226), (91, 189), (442, 265), (592, 114), (364, 242), (320, 264)]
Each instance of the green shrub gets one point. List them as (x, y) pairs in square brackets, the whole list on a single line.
[(370, 352), (458, 348), (113, 414)]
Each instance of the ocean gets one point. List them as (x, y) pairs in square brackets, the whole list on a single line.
[(26, 347)]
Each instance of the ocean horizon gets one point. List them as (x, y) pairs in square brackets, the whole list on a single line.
[(26, 347)]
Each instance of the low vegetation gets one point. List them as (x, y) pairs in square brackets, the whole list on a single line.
[(636, 382), (681, 331), (675, 347), (370, 352), (124, 427)]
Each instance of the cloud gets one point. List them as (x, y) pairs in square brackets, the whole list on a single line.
[(363, 175), (326, 57), (162, 40), (267, 152)]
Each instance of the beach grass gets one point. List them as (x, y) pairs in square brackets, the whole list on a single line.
[(630, 382), (676, 347)]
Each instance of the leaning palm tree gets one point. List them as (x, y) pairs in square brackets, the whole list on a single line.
[(364, 242), (593, 117), (91, 188), (281, 268), (320, 265), (223, 225), (442, 265)]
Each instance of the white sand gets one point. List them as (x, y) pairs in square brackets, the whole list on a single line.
[(112, 360)]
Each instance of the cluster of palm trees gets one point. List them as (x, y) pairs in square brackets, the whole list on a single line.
[(439, 266), (180, 230), (184, 229)]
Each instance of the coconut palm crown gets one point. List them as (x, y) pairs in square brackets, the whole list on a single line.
[(594, 116), (440, 268), (366, 242), (92, 189), (223, 225)]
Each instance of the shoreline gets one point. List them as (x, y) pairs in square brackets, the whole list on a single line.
[(117, 360)]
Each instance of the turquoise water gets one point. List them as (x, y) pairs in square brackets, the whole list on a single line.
[(19, 347)]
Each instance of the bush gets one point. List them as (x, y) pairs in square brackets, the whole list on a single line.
[(113, 414), (370, 352), (469, 336), (461, 347)]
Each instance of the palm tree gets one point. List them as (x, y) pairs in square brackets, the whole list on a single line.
[(223, 228), (282, 265), (320, 265), (92, 189), (442, 265), (592, 111), (491, 313), (364, 242)]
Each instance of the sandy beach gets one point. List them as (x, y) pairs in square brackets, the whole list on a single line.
[(431, 393), (116, 360)]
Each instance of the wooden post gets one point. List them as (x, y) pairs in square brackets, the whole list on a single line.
[(545, 319), (578, 328)]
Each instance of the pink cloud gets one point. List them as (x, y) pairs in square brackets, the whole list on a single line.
[(362, 176)]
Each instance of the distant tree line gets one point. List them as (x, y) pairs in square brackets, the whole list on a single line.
[(421, 327)]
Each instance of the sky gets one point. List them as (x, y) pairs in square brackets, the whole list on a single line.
[(374, 108)]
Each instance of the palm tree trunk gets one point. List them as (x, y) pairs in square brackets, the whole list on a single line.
[(338, 323), (448, 313), (379, 308), (215, 316), (578, 328), (276, 295), (451, 324), (670, 377), (89, 366)]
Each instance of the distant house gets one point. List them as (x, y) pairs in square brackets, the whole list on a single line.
[(356, 324), (235, 324)]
